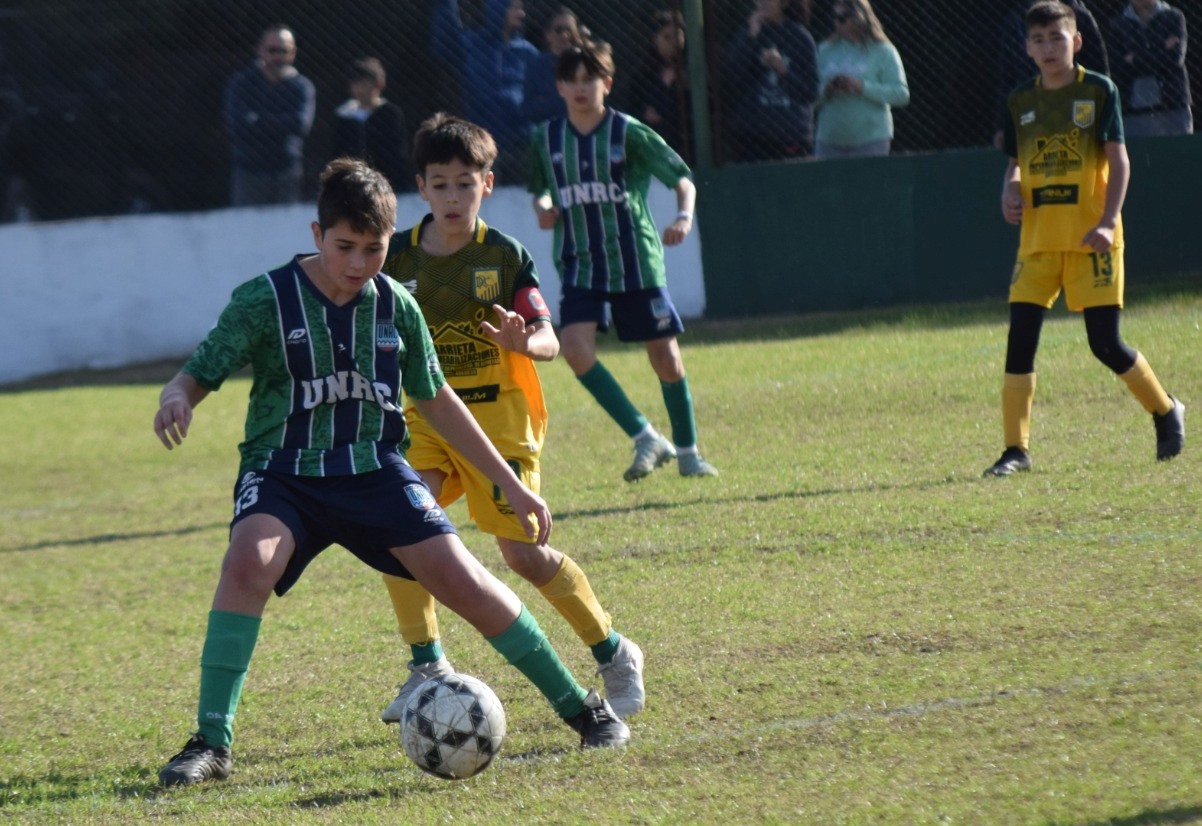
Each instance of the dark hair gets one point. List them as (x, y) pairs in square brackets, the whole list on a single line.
[(594, 55), (273, 28), (443, 138), (354, 192), (1049, 12), (367, 68)]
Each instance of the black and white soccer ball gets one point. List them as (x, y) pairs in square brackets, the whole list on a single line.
[(452, 726)]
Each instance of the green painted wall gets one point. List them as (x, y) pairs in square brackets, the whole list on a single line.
[(910, 229)]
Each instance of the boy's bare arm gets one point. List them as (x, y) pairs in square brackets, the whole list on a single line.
[(177, 400), (545, 209), (686, 198), (1012, 193), (457, 425), (1101, 237)]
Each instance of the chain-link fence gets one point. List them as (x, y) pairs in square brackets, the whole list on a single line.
[(116, 106)]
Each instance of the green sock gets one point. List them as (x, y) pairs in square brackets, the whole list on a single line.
[(229, 643), (526, 648), (679, 402), (604, 651), (612, 398), (428, 653)]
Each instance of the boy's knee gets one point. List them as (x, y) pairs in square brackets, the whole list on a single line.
[(536, 564)]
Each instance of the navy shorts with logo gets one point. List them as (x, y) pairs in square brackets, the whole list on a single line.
[(641, 315), (367, 513)]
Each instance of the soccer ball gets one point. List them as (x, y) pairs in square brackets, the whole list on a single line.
[(452, 726)]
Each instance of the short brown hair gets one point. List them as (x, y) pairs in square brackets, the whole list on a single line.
[(352, 191), (443, 138), (594, 55), (367, 68), (1049, 12)]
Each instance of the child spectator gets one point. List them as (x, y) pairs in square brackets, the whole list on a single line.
[(372, 128), (660, 92)]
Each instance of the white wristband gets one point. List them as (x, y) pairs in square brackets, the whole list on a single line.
[(684, 216)]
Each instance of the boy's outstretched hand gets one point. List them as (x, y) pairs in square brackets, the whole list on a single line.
[(511, 332)]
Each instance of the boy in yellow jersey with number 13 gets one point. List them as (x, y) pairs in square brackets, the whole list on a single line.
[(1065, 185)]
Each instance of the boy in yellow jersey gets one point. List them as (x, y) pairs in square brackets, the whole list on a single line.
[(478, 291), (1065, 186)]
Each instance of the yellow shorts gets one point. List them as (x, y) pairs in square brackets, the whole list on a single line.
[(1089, 279), (485, 503)]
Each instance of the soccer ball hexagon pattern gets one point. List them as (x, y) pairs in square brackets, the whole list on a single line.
[(452, 726)]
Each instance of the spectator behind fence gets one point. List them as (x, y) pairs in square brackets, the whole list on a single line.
[(492, 60), (1148, 42), (1014, 67), (862, 80), (372, 128), (540, 99), (773, 76), (660, 92), (269, 109)]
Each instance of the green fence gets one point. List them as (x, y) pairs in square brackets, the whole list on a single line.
[(907, 229)]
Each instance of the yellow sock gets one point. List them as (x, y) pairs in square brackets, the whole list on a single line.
[(571, 595), (414, 608), (1018, 394), (1142, 383)]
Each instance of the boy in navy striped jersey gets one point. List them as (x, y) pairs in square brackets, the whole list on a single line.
[(332, 343), (589, 176)]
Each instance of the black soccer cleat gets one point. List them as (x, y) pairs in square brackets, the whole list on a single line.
[(197, 763), (1170, 431), (1013, 459), (597, 725)]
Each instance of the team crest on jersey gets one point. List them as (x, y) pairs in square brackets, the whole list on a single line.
[(486, 284), (419, 497), (387, 337), (1083, 113)]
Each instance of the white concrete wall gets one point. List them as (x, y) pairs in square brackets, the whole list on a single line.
[(105, 292)]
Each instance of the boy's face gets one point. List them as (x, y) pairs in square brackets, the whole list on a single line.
[(363, 89), (454, 192), (348, 259), (583, 94), (1053, 46)]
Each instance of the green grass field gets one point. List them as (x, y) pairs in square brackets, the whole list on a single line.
[(849, 626)]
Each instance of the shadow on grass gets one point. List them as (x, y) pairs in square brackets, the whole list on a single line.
[(774, 496), (1182, 814), (108, 538), (57, 787)]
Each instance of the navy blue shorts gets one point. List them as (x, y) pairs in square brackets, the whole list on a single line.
[(642, 315), (367, 514)]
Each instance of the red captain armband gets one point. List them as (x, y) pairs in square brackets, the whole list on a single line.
[(529, 304)]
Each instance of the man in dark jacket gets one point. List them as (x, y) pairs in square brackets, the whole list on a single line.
[(269, 109), (1148, 44)]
